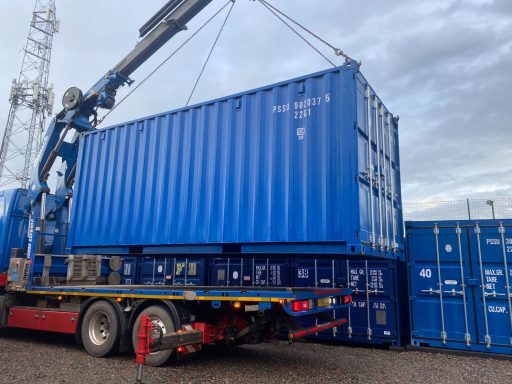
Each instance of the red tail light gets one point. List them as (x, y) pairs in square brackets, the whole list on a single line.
[(300, 305), (347, 299)]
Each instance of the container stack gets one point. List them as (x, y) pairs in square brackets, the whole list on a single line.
[(459, 284)]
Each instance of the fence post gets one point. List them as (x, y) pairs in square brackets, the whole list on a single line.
[(469, 210)]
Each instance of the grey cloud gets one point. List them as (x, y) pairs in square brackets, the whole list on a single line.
[(443, 66)]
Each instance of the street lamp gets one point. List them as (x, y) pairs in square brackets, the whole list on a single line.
[(491, 203)]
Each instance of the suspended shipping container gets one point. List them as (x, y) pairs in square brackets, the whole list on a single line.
[(307, 166), (459, 284)]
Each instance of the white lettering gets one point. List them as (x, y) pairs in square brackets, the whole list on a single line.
[(302, 108), (493, 272), (280, 108), (426, 273), (496, 309), (302, 273)]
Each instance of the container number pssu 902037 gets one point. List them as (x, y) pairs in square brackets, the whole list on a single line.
[(302, 108)]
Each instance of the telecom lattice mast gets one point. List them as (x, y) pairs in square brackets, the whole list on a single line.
[(31, 99)]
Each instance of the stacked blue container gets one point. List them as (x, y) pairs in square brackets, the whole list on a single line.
[(459, 284), (273, 186), (378, 315), (13, 211)]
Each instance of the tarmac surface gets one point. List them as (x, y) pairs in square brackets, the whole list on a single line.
[(34, 357)]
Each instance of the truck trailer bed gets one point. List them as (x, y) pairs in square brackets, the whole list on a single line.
[(210, 293)]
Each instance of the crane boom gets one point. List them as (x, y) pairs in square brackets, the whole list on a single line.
[(80, 110)]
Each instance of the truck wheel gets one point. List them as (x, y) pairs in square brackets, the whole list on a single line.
[(161, 318), (100, 329)]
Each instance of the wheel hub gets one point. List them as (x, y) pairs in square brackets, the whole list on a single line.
[(99, 328)]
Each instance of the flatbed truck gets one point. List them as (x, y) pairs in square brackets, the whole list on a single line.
[(106, 318)]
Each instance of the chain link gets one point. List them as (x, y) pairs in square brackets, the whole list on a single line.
[(269, 7), (276, 12), (210, 53), (337, 51)]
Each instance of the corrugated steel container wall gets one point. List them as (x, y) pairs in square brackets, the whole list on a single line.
[(280, 165), (13, 223), (459, 284), (179, 270), (128, 270), (378, 314), (316, 272), (59, 264), (270, 271), (14, 219), (379, 308)]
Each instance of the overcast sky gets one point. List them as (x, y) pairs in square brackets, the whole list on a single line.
[(443, 66)]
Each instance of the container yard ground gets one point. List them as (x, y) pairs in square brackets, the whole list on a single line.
[(32, 357)]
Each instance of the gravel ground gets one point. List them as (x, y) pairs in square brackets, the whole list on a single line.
[(32, 357)]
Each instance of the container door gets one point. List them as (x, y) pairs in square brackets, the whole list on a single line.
[(491, 249), (315, 272), (272, 271), (188, 270), (230, 271), (154, 270), (379, 182), (374, 309), (439, 270), (129, 270), (250, 271)]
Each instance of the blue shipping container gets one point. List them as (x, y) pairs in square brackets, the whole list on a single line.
[(379, 309), (316, 272), (176, 270), (14, 217), (378, 314), (459, 284), (270, 271), (13, 223), (308, 165)]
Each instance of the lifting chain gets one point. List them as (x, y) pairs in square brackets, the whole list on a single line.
[(210, 53), (164, 61), (276, 12)]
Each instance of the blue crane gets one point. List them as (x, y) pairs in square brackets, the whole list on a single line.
[(80, 115)]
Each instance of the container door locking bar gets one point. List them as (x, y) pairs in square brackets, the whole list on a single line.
[(292, 335)]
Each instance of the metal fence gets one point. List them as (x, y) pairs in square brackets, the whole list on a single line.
[(469, 209)]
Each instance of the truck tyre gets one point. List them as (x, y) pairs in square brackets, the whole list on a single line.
[(161, 318), (100, 330)]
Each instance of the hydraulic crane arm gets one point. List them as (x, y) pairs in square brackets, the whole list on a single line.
[(80, 108)]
